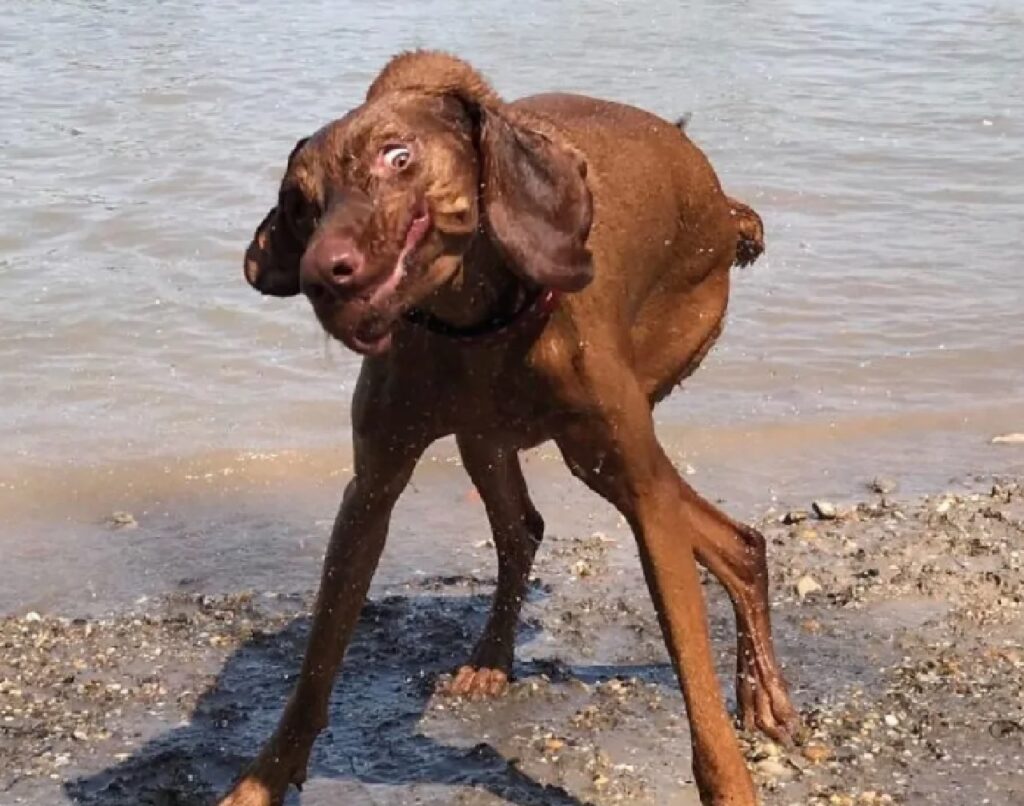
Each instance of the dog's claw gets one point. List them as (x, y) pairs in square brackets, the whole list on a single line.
[(781, 734), (477, 683), (767, 708)]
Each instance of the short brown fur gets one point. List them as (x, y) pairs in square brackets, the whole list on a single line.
[(622, 212)]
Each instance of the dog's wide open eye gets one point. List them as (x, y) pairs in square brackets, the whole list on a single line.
[(396, 157)]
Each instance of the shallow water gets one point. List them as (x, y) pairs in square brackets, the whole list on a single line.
[(881, 332)]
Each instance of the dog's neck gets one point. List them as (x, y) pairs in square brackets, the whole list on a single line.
[(482, 290)]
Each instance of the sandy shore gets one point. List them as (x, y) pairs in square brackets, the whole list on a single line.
[(901, 624)]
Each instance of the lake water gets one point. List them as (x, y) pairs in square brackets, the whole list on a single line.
[(882, 143)]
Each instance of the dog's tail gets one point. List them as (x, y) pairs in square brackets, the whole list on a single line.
[(749, 227), (749, 232)]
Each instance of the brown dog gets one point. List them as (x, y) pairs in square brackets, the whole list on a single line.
[(514, 273)]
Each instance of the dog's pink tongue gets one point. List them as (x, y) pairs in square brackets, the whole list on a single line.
[(417, 230)]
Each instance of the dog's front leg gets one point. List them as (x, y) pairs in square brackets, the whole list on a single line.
[(383, 468), (518, 529)]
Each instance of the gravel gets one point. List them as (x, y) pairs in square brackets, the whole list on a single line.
[(901, 625)]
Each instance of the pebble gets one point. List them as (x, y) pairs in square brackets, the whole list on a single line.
[(795, 516), (891, 720), (882, 485), (817, 753), (123, 520), (807, 585), (553, 745), (582, 568), (1009, 439), (773, 767), (825, 510)]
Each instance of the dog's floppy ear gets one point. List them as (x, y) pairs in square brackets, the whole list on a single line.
[(272, 259), (536, 204)]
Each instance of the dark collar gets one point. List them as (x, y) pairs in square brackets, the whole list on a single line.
[(536, 309)]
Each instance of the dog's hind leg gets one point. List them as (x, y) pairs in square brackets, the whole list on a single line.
[(736, 555), (613, 448), (518, 530)]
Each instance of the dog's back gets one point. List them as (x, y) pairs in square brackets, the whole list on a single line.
[(658, 205), (664, 235)]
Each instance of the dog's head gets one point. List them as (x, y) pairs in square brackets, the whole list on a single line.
[(376, 209)]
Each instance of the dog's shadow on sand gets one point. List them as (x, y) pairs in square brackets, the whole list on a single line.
[(402, 645)]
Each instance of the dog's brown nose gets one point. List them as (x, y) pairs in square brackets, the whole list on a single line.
[(332, 264)]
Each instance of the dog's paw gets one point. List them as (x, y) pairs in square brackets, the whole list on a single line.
[(477, 683), (768, 709), (251, 792), (266, 781)]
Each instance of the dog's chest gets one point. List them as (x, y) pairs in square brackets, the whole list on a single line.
[(485, 391)]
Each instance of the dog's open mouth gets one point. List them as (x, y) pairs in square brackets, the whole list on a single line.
[(414, 235), (372, 335)]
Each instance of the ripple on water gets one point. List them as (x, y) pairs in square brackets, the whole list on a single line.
[(889, 178)]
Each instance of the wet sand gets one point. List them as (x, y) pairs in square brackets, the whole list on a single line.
[(900, 622)]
